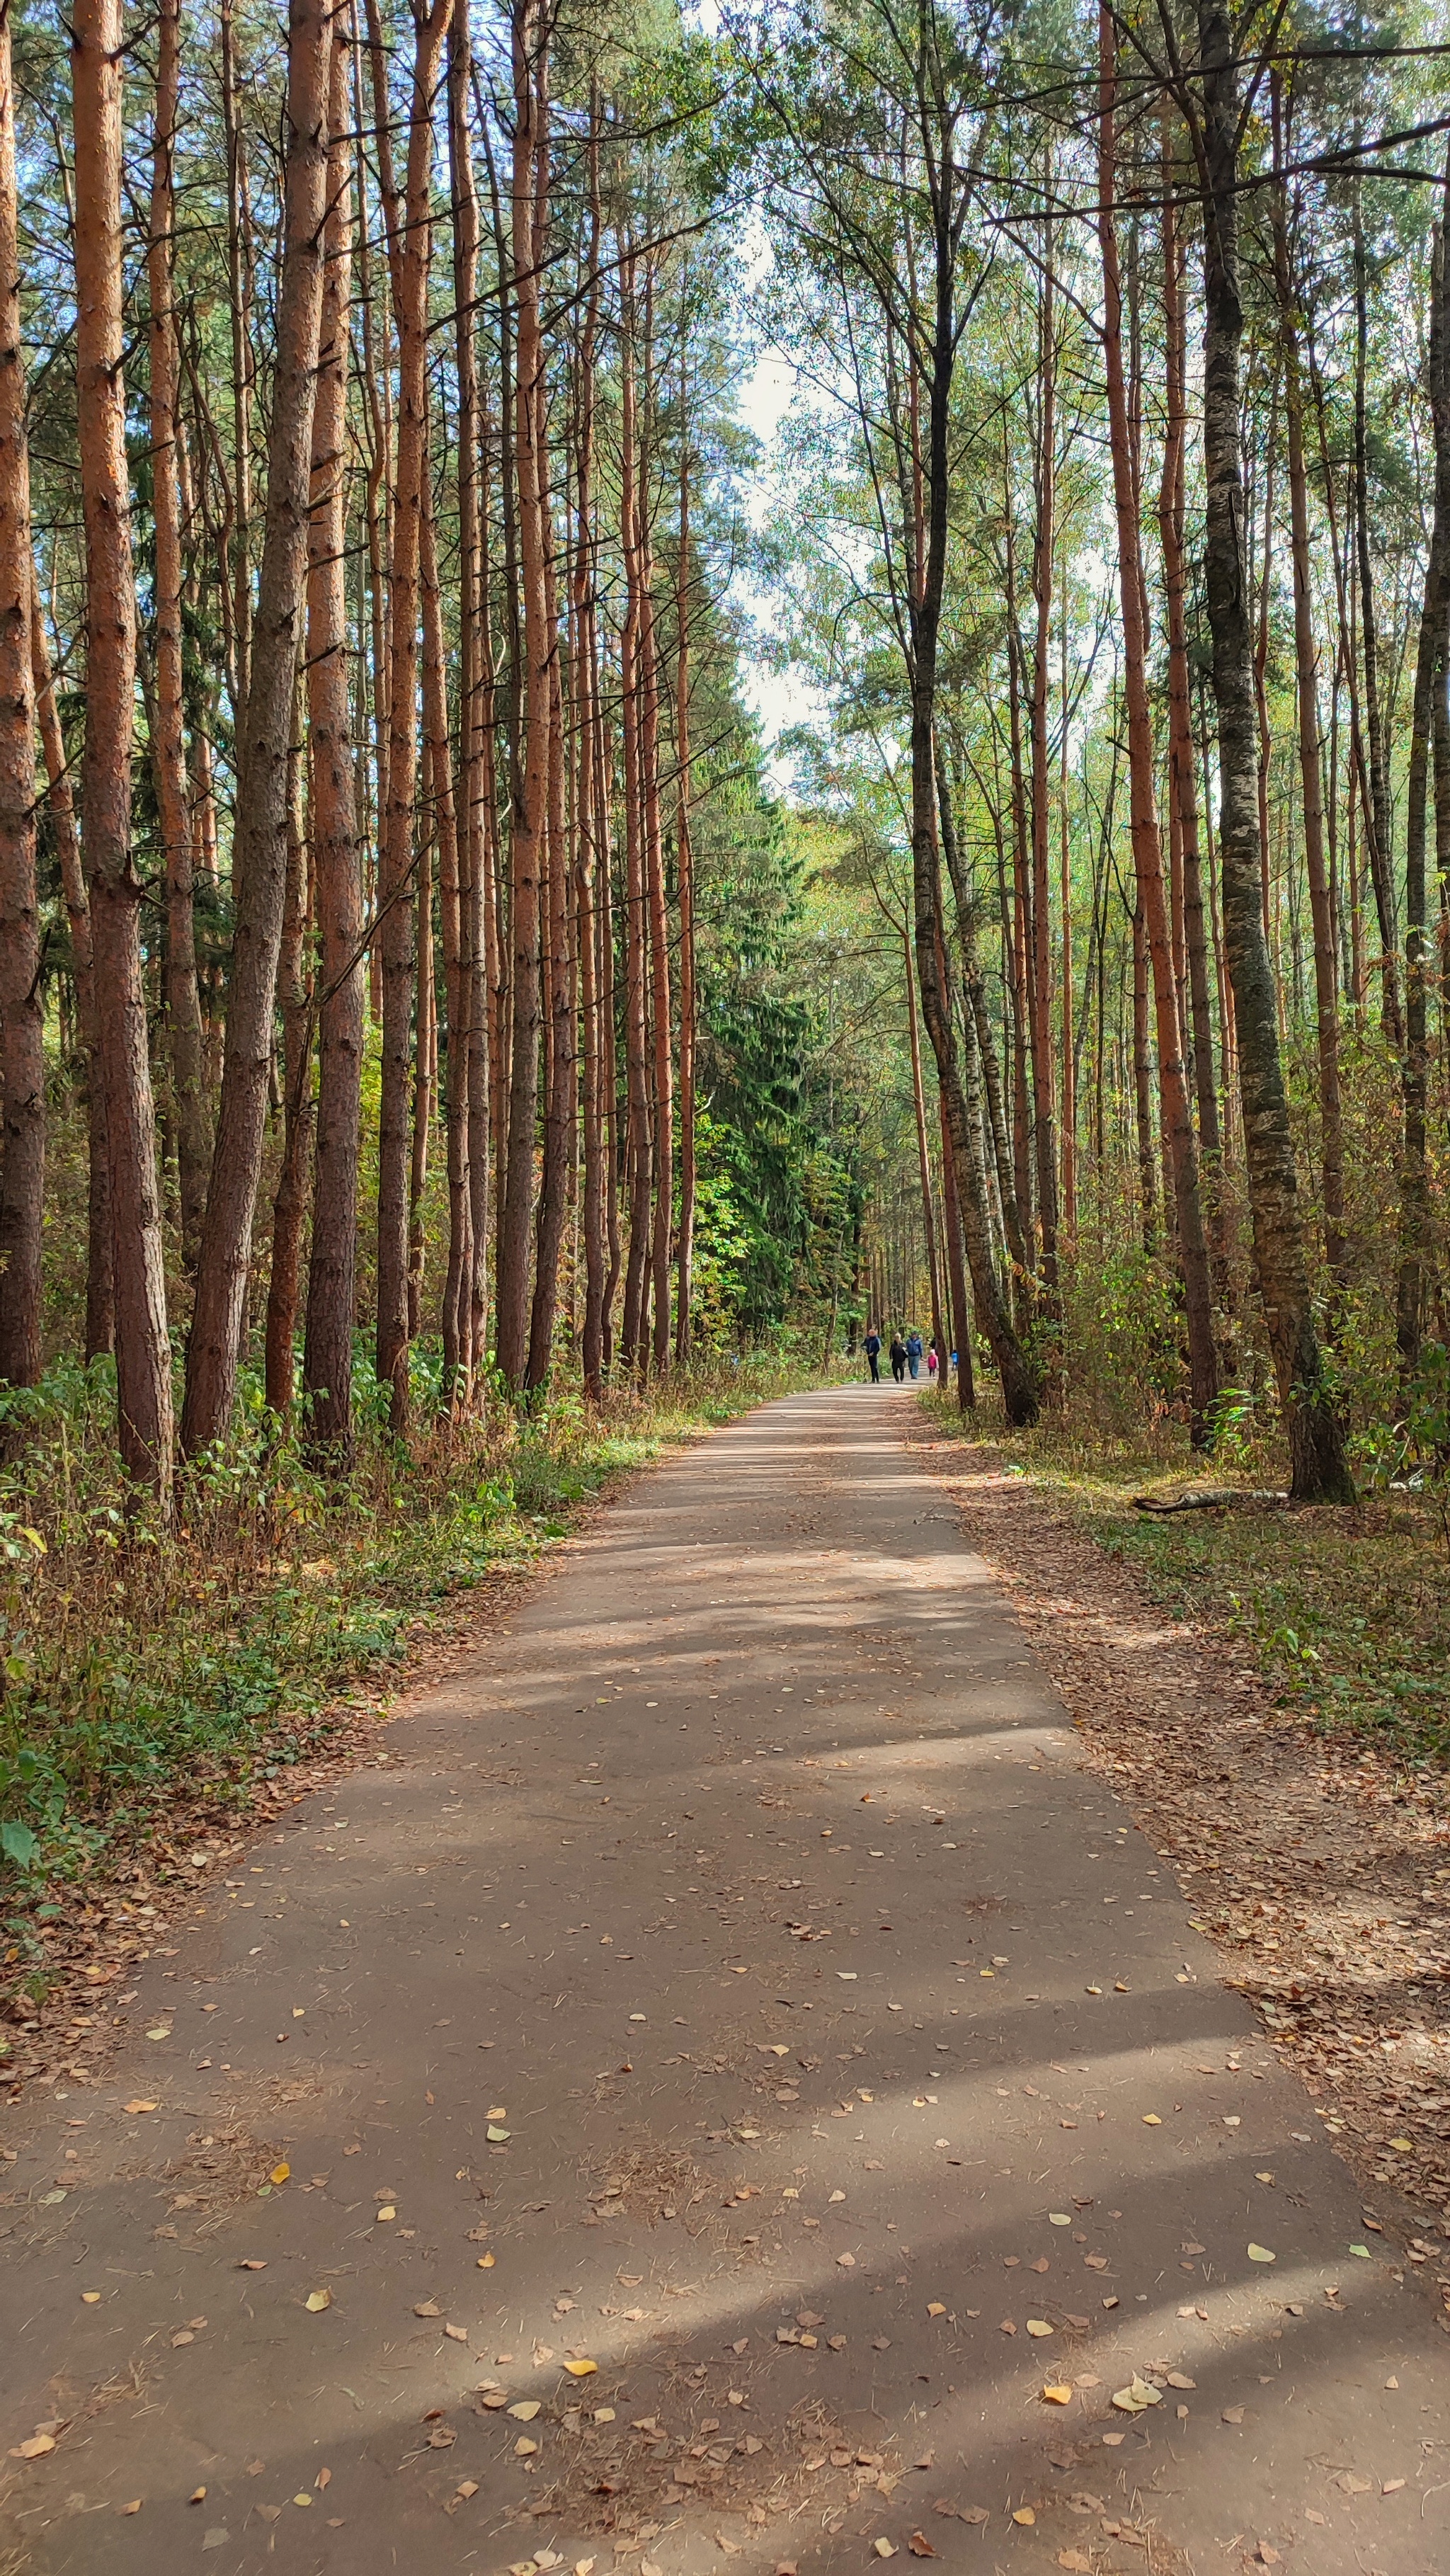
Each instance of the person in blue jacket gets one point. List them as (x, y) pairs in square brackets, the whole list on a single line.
[(913, 1351)]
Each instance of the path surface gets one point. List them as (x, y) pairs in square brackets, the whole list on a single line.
[(738, 1956)]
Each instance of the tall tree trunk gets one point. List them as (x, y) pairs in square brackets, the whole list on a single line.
[(410, 247), (238, 593), (337, 873), (22, 1047), (1378, 832), (529, 841), (1147, 847), (561, 1107), (1020, 1393), (592, 833), (1182, 771), (1432, 661), (453, 901), (638, 1151), (1320, 1472), (1040, 975), (259, 856), (60, 799), (143, 1353), (923, 1149), (469, 1035), (294, 994), (659, 937), (1306, 657), (685, 884), (183, 1003)]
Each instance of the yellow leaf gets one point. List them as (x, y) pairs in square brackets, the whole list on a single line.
[(1151, 2120), (36, 2448), (497, 2137), (1038, 2326), (486, 2262), (197, 2496), (91, 2298), (302, 2499), (1403, 2146), (1024, 2514), (133, 2507), (1057, 2396), (935, 2308), (525, 2410), (280, 2173), (134, 2109), (523, 2447), (580, 2369), (1261, 2254), (884, 2548), (317, 2300), (1059, 2218)]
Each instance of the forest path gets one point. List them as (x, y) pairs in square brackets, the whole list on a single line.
[(749, 1881)]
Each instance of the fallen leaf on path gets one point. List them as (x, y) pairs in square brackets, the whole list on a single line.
[(1176, 2379), (1349, 2484), (1137, 2397), (1151, 2120), (317, 2300), (1025, 2515), (1057, 2396), (34, 2449), (133, 2507), (525, 2410), (252, 2263), (456, 2334), (920, 2546), (1059, 2218), (427, 2308), (1261, 2254), (278, 2174), (1038, 2326), (883, 2548), (134, 2109), (1235, 2415), (934, 2308), (197, 2496), (1075, 2562), (90, 2298)]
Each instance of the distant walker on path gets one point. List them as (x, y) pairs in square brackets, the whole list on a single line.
[(898, 1358), (913, 1352), (873, 1355)]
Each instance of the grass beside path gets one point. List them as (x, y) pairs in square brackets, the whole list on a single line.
[(1347, 1611), (154, 1686)]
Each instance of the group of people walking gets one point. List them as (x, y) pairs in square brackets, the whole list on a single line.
[(906, 1355)]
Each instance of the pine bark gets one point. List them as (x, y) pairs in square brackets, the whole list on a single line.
[(1432, 663), (22, 1048), (294, 995), (183, 1002), (1319, 1469), (336, 855), (410, 247), (1147, 847), (143, 1354), (528, 855), (259, 852)]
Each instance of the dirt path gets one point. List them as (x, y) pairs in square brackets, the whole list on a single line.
[(731, 1985)]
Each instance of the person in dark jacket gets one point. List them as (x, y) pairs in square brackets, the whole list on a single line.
[(873, 1355), (898, 1358)]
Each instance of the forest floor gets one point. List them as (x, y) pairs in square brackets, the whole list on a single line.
[(599, 2273)]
